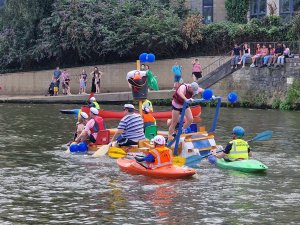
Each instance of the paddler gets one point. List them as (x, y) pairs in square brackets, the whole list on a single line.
[(130, 129), (183, 93), (237, 148), (93, 126), (94, 103), (159, 156), (147, 110), (80, 125)]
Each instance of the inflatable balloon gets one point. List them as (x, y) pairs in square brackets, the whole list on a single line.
[(207, 94), (74, 148), (143, 57), (150, 58), (82, 147), (232, 97)]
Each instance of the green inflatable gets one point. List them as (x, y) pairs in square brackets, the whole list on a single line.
[(152, 82)]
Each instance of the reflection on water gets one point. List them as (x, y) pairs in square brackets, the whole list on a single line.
[(39, 184)]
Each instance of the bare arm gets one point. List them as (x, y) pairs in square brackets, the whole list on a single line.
[(119, 132)]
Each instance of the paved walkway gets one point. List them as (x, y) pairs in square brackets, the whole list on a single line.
[(68, 99)]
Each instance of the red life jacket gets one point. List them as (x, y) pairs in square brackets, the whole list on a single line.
[(98, 125), (178, 99)]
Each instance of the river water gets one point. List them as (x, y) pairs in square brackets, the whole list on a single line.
[(40, 184)]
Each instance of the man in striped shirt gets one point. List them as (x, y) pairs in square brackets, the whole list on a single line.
[(130, 129)]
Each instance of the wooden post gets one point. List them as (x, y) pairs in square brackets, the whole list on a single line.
[(138, 67)]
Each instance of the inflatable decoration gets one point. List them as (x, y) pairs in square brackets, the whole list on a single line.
[(143, 57), (74, 148), (232, 97), (207, 94)]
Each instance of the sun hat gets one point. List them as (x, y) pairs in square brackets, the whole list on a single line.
[(84, 115), (195, 87), (94, 111)]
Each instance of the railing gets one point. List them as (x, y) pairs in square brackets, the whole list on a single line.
[(216, 64)]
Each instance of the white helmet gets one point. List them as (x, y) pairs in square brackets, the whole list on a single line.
[(159, 139), (84, 115), (92, 99), (94, 111)]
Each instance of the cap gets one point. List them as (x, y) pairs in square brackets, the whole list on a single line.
[(94, 111), (129, 106), (92, 99), (195, 87), (84, 115), (147, 110)]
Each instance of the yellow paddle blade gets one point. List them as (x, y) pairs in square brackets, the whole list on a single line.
[(101, 151), (115, 152), (68, 151), (178, 161)]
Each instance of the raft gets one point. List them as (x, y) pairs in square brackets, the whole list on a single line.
[(246, 165), (196, 111), (171, 171)]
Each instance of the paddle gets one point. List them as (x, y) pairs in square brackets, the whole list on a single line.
[(101, 151), (114, 152), (196, 159)]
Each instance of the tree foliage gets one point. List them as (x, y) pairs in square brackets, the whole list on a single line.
[(237, 10)]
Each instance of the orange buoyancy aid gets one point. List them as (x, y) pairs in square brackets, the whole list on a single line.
[(163, 157), (178, 99), (98, 125), (148, 117)]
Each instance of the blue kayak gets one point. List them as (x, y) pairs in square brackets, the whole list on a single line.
[(246, 165), (70, 111)]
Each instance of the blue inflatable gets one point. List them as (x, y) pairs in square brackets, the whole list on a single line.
[(232, 97), (82, 147), (74, 148), (207, 94), (143, 57), (150, 58)]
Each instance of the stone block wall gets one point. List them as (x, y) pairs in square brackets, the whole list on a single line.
[(260, 84)]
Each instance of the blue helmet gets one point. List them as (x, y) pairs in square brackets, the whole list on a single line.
[(238, 131)]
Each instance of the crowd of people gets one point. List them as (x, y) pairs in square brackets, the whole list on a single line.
[(63, 78), (263, 56)]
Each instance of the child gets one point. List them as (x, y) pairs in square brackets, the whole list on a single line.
[(55, 89)]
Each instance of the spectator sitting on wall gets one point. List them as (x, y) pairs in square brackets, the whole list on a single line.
[(236, 54), (266, 59), (256, 56), (286, 54), (278, 52), (246, 54)]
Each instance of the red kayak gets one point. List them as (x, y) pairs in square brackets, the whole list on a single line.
[(171, 171), (196, 111)]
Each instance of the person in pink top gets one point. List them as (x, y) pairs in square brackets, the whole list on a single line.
[(183, 93), (196, 69)]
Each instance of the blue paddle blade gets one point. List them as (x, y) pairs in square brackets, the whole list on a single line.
[(263, 136)]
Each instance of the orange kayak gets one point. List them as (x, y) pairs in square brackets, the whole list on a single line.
[(171, 171)]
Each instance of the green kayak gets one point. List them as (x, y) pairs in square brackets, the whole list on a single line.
[(248, 166)]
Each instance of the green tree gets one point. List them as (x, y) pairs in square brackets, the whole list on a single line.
[(237, 10)]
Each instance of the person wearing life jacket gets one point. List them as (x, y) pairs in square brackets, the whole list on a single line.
[(159, 156), (147, 104), (183, 93), (237, 149), (93, 126), (148, 117), (94, 103)]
